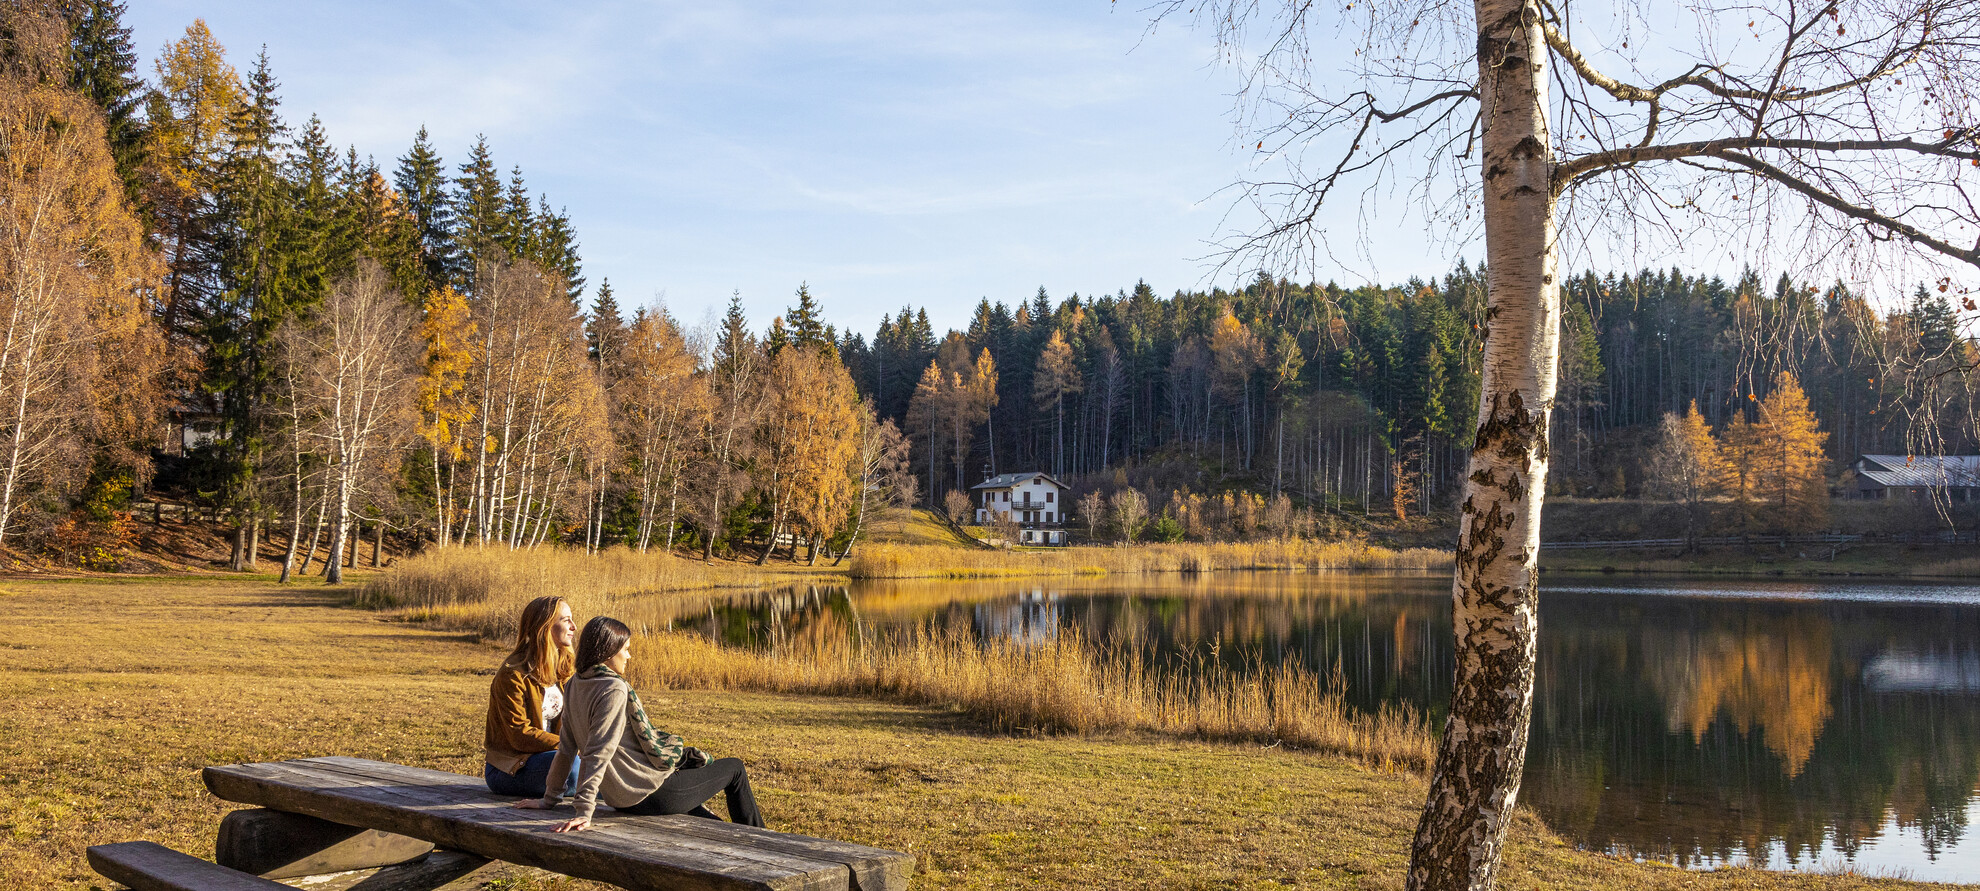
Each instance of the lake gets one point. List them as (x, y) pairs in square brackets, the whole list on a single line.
[(1788, 724)]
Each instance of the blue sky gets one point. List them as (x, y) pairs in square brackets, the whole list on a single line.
[(886, 153)]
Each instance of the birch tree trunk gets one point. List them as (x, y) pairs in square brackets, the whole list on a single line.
[(1495, 590)]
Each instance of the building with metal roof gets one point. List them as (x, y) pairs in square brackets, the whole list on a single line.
[(1917, 476)]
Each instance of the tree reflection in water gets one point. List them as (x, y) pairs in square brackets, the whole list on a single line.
[(1699, 729)]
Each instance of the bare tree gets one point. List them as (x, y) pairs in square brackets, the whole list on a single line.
[(1787, 126), (1093, 512), (537, 406), (956, 506), (1130, 513), (885, 480), (356, 365)]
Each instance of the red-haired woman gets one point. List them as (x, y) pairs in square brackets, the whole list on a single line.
[(526, 700)]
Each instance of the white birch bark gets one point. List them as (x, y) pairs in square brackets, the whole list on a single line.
[(1495, 592)]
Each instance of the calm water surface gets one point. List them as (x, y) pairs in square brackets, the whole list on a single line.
[(1795, 725)]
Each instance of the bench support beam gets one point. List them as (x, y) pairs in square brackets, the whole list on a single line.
[(278, 845)]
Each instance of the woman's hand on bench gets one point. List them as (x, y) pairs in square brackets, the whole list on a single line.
[(574, 824)]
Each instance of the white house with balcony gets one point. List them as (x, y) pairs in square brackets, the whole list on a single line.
[(1035, 501)]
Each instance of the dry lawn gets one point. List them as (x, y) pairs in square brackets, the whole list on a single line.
[(117, 693)]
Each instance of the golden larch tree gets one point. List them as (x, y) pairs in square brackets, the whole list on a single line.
[(448, 335), (1788, 471), (78, 281)]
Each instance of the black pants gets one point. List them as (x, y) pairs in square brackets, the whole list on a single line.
[(684, 792)]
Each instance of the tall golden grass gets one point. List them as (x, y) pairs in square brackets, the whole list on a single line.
[(483, 589), (892, 561), (1062, 685)]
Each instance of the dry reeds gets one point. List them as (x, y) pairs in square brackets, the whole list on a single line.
[(483, 589), (1062, 685), (887, 561)]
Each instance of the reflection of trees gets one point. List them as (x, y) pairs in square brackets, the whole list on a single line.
[(1770, 678), (1654, 731), (1684, 728)]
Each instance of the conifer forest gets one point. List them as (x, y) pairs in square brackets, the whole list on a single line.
[(209, 298)]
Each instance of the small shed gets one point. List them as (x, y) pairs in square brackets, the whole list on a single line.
[(1917, 476), (1035, 501)]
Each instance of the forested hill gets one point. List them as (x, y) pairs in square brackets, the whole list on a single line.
[(215, 306), (1323, 391)]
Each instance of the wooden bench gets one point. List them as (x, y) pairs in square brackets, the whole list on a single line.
[(149, 867), (333, 814)]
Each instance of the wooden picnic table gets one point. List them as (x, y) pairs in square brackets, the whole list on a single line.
[(414, 806)]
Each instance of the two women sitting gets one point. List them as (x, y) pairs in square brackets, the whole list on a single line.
[(567, 724)]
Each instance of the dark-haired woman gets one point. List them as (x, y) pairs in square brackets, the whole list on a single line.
[(620, 758), (526, 700)]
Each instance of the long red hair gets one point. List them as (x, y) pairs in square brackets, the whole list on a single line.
[(537, 652)]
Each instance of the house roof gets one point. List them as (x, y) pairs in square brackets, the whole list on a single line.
[(1007, 480), (1956, 471)]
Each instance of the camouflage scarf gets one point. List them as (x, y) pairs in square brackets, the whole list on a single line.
[(662, 750)]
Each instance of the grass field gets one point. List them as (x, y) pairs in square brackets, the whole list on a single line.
[(117, 692)]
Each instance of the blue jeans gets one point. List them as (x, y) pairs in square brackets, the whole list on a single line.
[(528, 782)]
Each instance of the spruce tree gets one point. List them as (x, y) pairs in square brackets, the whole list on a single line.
[(605, 329), (252, 203), (421, 179), (104, 68), (480, 211), (807, 328), (555, 247), (518, 218)]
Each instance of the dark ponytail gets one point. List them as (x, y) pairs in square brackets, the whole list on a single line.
[(602, 638)]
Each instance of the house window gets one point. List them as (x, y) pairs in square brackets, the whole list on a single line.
[(1048, 498), (1048, 516), (1007, 494)]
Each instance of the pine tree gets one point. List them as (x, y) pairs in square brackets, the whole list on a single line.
[(421, 179), (807, 328), (319, 241), (253, 205), (480, 212), (519, 219), (105, 70), (605, 330), (554, 245)]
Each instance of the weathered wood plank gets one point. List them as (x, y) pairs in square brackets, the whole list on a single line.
[(149, 867), (873, 869), (468, 808), (278, 845), (456, 812)]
